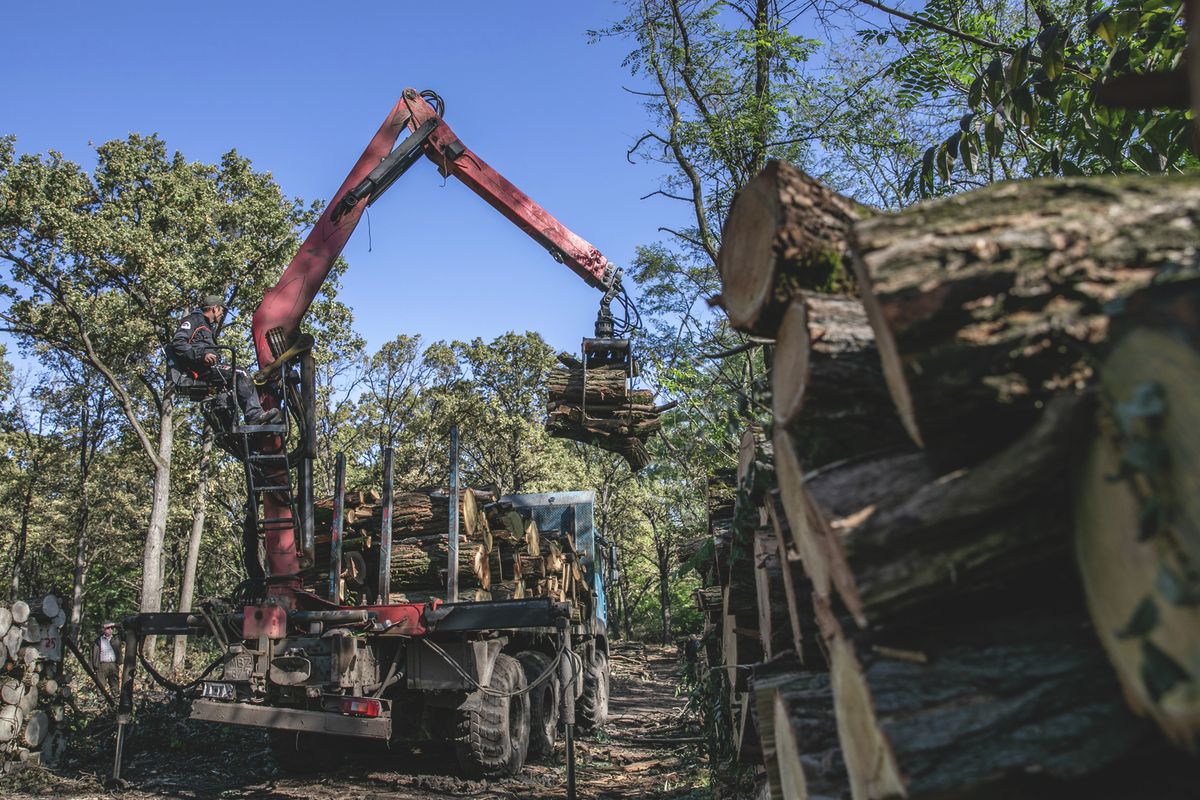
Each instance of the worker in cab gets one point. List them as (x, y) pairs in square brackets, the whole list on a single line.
[(194, 355)]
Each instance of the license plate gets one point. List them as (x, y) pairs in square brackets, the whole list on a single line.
[(239, 667), (217, 691)]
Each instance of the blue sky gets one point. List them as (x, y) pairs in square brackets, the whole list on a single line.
[(300, 87)]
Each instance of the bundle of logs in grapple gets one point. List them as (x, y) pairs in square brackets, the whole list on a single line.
[(596, 406), (501, 553), (32, 693), (964, 557)]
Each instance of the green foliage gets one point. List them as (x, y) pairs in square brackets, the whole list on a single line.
[(1028, 89)]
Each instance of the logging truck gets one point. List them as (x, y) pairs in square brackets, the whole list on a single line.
[(497, 674)]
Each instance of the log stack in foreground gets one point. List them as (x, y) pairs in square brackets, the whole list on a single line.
[(32, 693), (982, 487)]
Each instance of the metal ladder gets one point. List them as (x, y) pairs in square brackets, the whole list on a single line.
[(258, 483)]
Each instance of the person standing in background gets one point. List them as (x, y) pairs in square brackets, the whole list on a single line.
[(106, 657)]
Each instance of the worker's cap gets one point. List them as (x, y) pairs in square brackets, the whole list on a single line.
[(210, 300), (108, 624)]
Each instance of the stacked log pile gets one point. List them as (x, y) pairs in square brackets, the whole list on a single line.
[(32, 693), (501, 553), (608, 414), (979, 497)]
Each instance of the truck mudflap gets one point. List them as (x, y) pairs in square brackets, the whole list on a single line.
[(292, 719)]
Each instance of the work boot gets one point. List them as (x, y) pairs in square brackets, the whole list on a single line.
[(270, 417)]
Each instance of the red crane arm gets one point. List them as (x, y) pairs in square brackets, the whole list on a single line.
[(284, 305), (453, 158)]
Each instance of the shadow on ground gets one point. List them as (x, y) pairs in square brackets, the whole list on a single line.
[(637, 755)]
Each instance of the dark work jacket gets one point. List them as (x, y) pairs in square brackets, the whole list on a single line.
[(118, 650), (191, 341)]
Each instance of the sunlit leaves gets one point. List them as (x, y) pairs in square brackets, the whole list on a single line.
[(1032, 92)]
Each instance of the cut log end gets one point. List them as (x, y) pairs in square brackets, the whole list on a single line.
[(789, 372), (785, 231), (1139, 565)]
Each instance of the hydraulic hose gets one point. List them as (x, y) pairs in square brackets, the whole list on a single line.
[(180, 689)]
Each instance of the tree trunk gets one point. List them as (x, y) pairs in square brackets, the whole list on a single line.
[(199, 512), (152, 554), (827, 385), (82, 512), (626, 611), (796, 725), (23, 531), (890, 535), (664, 589)]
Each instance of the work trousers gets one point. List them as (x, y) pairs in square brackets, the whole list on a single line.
[(108, 671), (223, 374)]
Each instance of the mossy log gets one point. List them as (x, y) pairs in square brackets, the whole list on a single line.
[(785, 231), (421, 564)]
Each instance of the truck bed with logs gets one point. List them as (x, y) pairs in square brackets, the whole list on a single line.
[(491, 677)]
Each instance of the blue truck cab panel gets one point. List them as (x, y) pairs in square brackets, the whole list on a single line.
[(571, 513)]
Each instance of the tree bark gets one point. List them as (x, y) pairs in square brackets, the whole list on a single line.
[(827, 385), (152, 554), (199, 512), (22, 536), (775, 627), (796, 725), (626, 611), (986, 304), (605, 385), (82, 512), (785, 232), (908, 537), (936, 711)]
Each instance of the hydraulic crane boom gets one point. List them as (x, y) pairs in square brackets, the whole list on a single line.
[(285, 304), (276, 323)]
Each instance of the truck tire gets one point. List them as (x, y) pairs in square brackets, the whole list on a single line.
[(543, 703), (591, 709), (301, 752), (493, 740)]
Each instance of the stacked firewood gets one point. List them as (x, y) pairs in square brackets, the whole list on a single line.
[(501, 553), (608, 414), (32, 694), (978, 499)]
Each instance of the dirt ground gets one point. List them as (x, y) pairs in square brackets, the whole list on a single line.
[(646, 750)]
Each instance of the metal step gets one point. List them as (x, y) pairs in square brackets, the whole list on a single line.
[(268, 457), (260, 429), (287, 487)]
